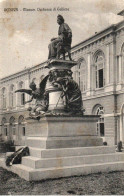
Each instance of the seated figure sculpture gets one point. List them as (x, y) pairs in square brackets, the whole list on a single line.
[(62, 43)]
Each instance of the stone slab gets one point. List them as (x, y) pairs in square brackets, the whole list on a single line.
[(63, 126), (63, 142), (60, 64), (37, 163), (30, 174), (67, 152), (76, 170)]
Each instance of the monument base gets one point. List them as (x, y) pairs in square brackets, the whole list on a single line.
[(63, 132), (65, 146)]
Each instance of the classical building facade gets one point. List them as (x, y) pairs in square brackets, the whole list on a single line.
[(100, 75)]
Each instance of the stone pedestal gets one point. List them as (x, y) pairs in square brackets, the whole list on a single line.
[(63, 132), (58, 69)]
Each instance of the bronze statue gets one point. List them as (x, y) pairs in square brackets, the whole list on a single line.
[(39, 95), (62, 43), (72, 94)]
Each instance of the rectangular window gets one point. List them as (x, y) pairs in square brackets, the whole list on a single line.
[(14, 130), (5, 131), (100, 73), (4, 102), (12, 100), (83, 80), (22, 99), (102, 129), (23, 131)]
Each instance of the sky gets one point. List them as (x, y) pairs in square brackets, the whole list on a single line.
[(25, 35)]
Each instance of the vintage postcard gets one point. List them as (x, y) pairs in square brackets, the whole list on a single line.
[(61, 97)]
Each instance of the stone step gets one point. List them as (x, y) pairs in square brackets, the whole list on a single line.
[(30, 174), (18, 169), (65, 152), (37, 163), (75, 170), (63, 142)]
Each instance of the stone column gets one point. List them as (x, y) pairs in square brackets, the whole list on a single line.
[(107, 64), (27, 97), (17, 97), (8, 97), (112, 62), (120, 68), (89, 74), (122, 124), (16, 133)]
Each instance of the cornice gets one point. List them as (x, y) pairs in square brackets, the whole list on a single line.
[(23, 72), (111, 30), (13, 111), (95, 37), (15, 75)]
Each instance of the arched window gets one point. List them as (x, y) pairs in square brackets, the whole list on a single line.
[(3, 98), (21, 122), (4, 127), (12, 125), (22, 95), (12, 96), (81, 75), (99, 69), (99, 110)]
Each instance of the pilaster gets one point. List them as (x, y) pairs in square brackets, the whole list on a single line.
[(107, 64), (88, 75)]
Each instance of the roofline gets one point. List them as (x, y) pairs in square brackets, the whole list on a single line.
[(111, 27), (22, 71)]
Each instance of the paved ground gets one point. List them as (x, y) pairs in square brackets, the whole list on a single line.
[(97, 184)]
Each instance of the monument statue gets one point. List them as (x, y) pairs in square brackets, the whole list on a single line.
[(57, 122), (39, 95), (62, 43), (58, 93), (72, 94)]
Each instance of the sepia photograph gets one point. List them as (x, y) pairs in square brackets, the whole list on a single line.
[(62, 97)]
